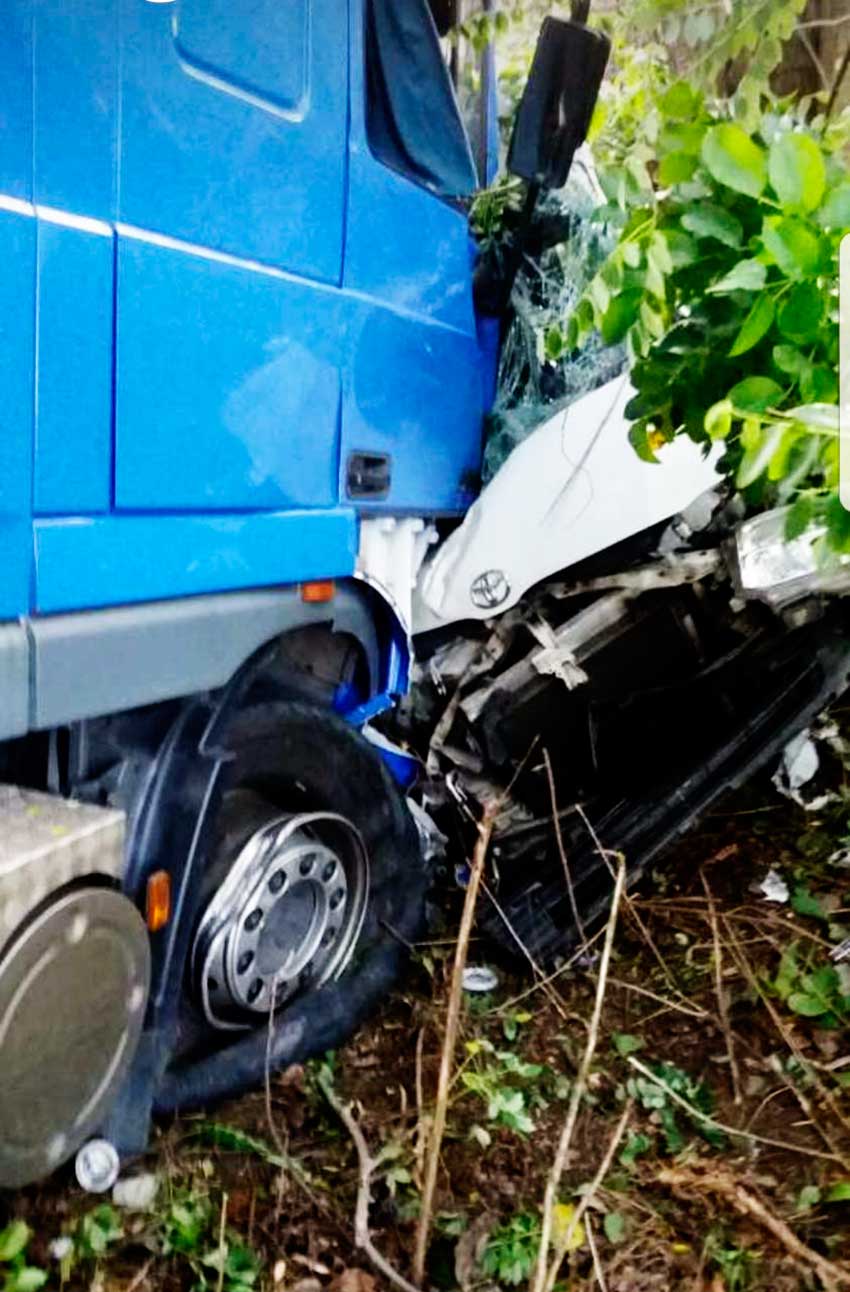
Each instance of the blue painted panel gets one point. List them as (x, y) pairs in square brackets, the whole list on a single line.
[(403, 245), (413, 390), (83, 563), (16, 98), (209, 40), (208, 157), (76, 105), (73, 432), (228, 385), (17, 360)]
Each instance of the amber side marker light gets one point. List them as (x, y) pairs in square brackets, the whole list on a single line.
[(158, 900), (318, 590)]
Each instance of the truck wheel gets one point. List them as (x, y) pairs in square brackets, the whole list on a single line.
[(315, 885)]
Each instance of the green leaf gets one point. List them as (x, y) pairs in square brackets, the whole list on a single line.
[(835, 212), (808, 1197), (734, 160), (755, 394), (793, 245), (797, 171), (746, 276), (683, 249), (799, 517), (625, 1044), (807, 1006), (803, 903), (790, 360), (659, 253), (639, 440), (680, 102), (28, 1278), (614, 1226), (13, 1240), (757, 459), (755, 326), (801, 313), (554, 343), (681, 137), (635, 1146), (718, 419), (838, 1192), (838, 524), (823, 417), (708, 220), (619, 316), (676, 168)]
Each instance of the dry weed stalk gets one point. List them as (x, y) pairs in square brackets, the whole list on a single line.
[(722, 1007), (367, 1165), (438, 1126), (732, 1131), (722, 1185), (543, 1278)]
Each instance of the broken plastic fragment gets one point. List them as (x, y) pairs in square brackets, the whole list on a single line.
[(774, 888), (480, 979), (136, 1192), (800, 762)]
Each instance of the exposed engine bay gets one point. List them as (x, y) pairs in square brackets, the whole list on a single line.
[(619, 700)]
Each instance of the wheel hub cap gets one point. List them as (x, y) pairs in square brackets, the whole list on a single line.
[(287, 917)]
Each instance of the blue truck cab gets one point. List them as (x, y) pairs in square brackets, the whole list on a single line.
[(237, 296), (241, 374)]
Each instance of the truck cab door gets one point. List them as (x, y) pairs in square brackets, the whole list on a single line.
[(231, 213)]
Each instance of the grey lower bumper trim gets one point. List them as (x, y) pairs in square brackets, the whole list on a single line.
[(14, 680), (103, 661)]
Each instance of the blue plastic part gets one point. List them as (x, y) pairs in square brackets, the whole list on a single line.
[(73, 434), (403, 766), (115, 559), (17, 368)]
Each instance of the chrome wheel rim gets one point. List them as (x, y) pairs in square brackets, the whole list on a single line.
[(285, 920)]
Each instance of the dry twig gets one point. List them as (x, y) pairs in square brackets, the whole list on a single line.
[(719, 1183), (544, 1279), (368, 1165), (435, 1141), (556, 821), (697, 1113), (722, 1007), (590, 1193)]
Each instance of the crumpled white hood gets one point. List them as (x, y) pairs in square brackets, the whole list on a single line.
[(573, 488)]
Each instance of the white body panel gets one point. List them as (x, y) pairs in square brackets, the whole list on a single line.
[(573, 488)]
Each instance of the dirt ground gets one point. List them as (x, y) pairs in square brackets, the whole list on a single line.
[(726, 1000)]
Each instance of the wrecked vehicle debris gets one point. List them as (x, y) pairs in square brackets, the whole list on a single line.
[(631, 680)]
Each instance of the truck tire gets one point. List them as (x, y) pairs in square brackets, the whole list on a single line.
[(288, 762)]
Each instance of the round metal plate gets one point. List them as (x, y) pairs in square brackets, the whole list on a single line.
[(285, 919), (73, 989)]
